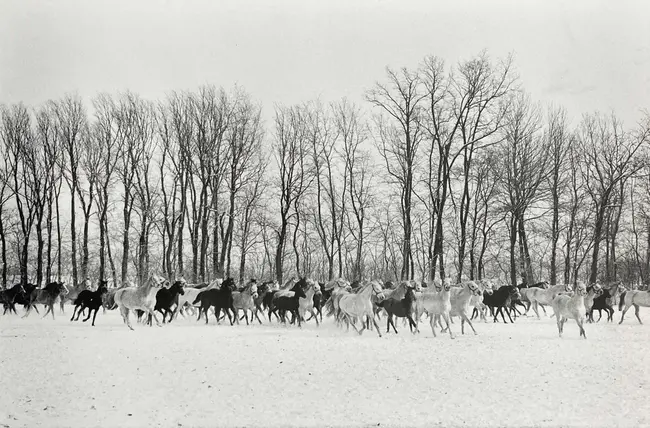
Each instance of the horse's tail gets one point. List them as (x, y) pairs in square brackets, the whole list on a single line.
[(198, 298), (621, 301), (329, 307)]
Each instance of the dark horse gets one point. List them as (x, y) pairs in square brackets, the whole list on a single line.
[(89, 299), (501, 299), (23, 297), (166, 297), (8, 297), (284, 303), (45, 296), (220, 298), (401, 309)]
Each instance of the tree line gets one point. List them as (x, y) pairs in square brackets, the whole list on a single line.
[(444, 170)]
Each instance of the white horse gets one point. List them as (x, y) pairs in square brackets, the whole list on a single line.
[(634, 298), (571, 306), (143, 298), (540, 296), (306, 304), (359, 306), (436, 303), (243, 300)]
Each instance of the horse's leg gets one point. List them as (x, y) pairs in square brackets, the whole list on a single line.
[(582, 330), (627, 307), (469, 322), (89, 313), (543, 308), (410, 322), (559, 325), (374, 321), (432, 323), (636, 312), (446, 318), (535, 309), (73, 313), (95, 316), (509, 317), (79, 310), (256, 314)]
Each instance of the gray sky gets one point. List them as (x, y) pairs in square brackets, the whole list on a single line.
[(585, 55)]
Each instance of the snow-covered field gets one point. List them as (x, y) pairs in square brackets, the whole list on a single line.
[(63, 374)]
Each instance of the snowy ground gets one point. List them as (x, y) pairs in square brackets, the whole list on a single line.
[(63, 374)]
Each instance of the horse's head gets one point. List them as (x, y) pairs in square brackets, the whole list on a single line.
[(580, 290), (474, 288), (253, 288), (178, 287), (103, 287), (229, 284), (299, 288), (545, 285), (597, 289), (514, 292), (378, 289)]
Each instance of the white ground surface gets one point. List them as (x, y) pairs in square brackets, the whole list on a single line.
[(63, 374)]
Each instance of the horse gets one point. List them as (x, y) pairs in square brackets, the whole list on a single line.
[(436, 302), (593, 291), (523, 291), (634, 298), (306, 304), (245, 300), (166, 297), (46, 296), (73, 292), (460, 297), (23, 298), (91, 300), (219, 298), (143, 298), (8, 297), (284, 302), (353, 306), (402, 308), (501, 299), (603, 302), (336, 290), (260, 301), (539, 296), (567, 306)]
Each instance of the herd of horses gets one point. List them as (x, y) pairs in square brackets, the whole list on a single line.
[(359, 305)]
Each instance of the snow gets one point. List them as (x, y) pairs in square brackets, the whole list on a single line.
[(63, 374)]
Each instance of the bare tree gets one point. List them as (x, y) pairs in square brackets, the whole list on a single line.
[(609, 159), (244, 140), (105, 154), (559, 139), (358, 176), (399, 144), (291, 151), (71, 124), (524, 159)]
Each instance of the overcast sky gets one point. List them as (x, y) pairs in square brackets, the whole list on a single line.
[(585, 55)]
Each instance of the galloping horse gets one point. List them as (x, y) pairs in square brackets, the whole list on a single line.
[(353, 306), (143, 298)]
